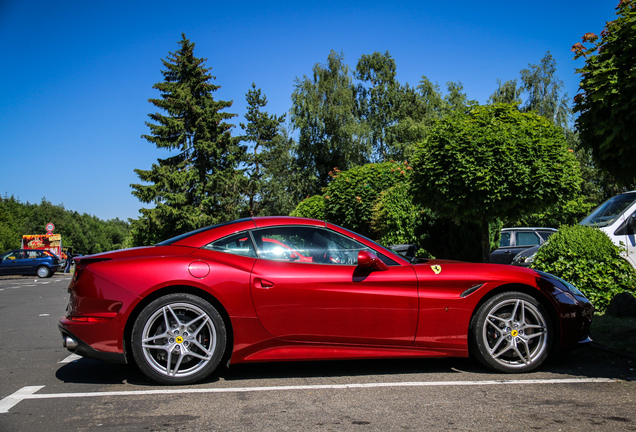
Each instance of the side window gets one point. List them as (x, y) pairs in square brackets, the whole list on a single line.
[(12, 256), (306, 245), (527, 239), (505, 239), (546, 234), (237, 244)]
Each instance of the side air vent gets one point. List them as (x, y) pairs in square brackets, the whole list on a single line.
[(471, 290)]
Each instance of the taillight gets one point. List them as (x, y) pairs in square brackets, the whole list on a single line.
[(88, 319)]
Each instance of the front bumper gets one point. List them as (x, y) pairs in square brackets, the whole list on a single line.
[(576, 320)]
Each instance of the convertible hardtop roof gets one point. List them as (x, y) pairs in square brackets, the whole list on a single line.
[(205, 235), (193, 238)]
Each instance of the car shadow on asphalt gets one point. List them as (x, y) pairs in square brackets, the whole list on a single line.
[(586, 363), (89, 371)]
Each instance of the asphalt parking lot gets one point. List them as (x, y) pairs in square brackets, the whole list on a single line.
[(45, 388)]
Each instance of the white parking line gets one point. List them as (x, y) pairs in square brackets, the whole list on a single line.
[(27, 393), (71, 358), (12, 400)]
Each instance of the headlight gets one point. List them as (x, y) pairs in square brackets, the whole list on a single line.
[(574, 290)]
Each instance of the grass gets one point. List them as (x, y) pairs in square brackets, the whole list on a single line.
[(615, 333)]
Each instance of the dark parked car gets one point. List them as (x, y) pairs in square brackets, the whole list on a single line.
[(526, 258), (222, 295), (29, 262), (516, 240)]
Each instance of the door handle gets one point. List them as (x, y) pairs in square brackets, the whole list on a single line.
[(263, 283)]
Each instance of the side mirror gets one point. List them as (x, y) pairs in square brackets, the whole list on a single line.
[(368, 259)]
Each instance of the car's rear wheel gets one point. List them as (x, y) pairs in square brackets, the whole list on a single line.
[(178, 339), (43, 272), (511, 332)]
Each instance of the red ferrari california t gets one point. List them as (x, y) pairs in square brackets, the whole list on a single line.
[(282, 288)]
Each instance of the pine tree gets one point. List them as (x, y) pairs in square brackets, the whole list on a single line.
[(200, 184), (262, 130)]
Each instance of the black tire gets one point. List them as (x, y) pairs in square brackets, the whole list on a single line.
[(178, 339), (511, 332), (43, 272)]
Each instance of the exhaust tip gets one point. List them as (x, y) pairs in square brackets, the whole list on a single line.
[(69, 343)]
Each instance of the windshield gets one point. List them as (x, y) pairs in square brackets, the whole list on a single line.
[(384, 252), (610, 210)]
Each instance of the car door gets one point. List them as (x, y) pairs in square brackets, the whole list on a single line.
[(9, 262), (513, 242), (625, 235), (311, 289), (32, 259)]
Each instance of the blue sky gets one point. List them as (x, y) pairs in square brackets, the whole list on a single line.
[(77, 75)]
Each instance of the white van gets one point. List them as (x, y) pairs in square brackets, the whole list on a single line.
[(617, 218)]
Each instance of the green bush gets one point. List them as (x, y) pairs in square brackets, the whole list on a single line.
[(312, 207), (588, 259), (351, 194), (395, 217)]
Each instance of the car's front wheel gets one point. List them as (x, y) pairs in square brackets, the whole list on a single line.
[(511, 332), (178, 339), (43, 272)]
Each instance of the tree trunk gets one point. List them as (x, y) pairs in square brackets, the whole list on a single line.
[(485, 240)]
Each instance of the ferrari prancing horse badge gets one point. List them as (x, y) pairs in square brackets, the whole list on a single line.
[(436, 268)]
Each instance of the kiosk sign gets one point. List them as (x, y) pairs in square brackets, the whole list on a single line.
[(49, 242)]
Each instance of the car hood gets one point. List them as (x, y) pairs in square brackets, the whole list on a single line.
[(476, 272)]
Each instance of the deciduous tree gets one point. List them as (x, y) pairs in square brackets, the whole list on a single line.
[(543, 92), (324, 113), (379, 97), (508, 92), (606, 102), (493, 163)]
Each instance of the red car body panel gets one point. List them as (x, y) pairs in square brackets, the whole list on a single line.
[(324, 303), (300, 311)]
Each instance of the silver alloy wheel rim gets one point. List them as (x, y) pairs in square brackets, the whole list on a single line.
[(515, 333), (43, 272), (179, 340)]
